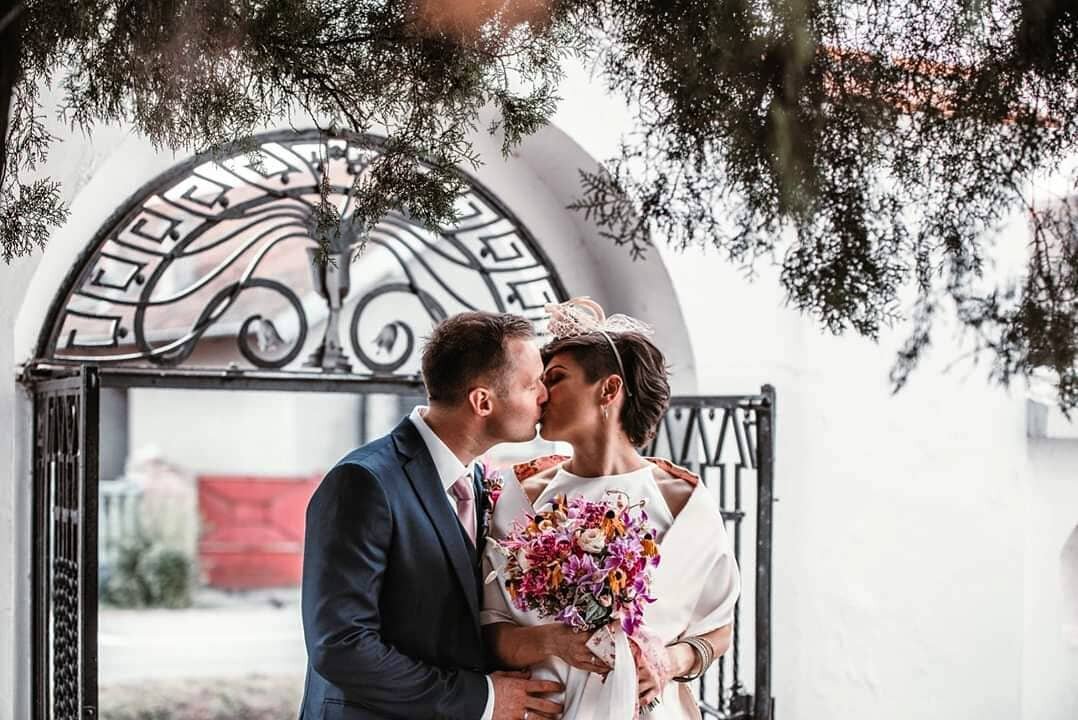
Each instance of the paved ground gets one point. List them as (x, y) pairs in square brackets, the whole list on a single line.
[(223, 636)]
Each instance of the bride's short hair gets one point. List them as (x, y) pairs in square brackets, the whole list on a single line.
[(646, 377)]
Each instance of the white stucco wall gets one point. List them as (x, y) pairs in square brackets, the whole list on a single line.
[(1051, 647), (14, 501)]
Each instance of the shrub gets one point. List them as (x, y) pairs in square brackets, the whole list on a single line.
[(148, 573)]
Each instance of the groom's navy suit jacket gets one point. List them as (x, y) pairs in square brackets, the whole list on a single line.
[(390, 591)]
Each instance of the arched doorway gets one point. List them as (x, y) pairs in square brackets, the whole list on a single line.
[(204, 280)]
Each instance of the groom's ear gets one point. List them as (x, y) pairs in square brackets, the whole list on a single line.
[(481, 401)]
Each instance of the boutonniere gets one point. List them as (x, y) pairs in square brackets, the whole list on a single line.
[(492, 481)]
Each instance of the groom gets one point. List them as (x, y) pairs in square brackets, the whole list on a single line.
[(391, 586)]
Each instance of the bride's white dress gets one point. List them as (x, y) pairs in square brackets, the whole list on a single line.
[(695, 585)]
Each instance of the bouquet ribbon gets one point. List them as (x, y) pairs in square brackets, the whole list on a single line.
[(617, 694)]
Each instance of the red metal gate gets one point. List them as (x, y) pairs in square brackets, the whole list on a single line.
[(252, 529)]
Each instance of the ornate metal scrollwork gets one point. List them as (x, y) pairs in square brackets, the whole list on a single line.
[(386, 340), (267, 337), (210, 265)]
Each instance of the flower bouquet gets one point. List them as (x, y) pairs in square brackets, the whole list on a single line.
[(584, 563)]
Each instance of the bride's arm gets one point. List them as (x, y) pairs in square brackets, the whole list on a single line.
[(683, 660), (518, 646)]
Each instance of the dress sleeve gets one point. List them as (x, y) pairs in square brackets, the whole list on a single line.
[(715, 606), (512, 506), (496, 607)]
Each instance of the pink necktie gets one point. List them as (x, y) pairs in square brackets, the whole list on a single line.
[(462, 490)]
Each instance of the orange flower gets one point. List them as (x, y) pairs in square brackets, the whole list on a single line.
[(616, 580), (556, 576), (560, 503), (612, 525), (650, 548)]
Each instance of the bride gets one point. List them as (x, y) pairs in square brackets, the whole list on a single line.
[(608, 390)]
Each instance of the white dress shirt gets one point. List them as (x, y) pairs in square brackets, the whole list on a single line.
[(449, 468)]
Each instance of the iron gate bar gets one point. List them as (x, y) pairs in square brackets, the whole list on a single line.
[(708, 402), (64, 584), (763, 706), (291, 381)]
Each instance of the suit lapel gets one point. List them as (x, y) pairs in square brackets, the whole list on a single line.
[(419, 467)]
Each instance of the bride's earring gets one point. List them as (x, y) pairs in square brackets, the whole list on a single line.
[(603, 407)]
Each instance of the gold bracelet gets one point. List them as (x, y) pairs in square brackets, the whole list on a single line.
[(697, 663), (704, 655), (706, 650)]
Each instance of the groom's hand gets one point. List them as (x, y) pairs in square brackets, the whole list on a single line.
[(515, 694), (572, 646)]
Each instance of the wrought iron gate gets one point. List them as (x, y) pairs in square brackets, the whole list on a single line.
[(727, 440), (730, 442), (65, 546)]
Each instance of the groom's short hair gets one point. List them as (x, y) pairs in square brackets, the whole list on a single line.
[(469, 348)]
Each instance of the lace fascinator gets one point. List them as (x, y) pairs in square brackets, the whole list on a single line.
[(584, 316)]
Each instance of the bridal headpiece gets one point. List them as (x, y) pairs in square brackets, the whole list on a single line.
[(584, 316)]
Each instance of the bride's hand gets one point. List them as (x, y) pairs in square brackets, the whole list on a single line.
[(653, 677), (571, 646)]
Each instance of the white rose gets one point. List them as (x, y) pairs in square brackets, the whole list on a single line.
[(592, 541)]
